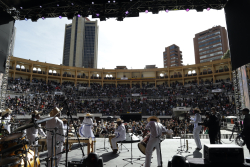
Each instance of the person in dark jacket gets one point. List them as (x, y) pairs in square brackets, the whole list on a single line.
[(211, 123), (246, 127)]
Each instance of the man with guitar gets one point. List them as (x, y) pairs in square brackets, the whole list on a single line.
[(156, 130)]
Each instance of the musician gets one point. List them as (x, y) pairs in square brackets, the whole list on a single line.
[(60, 136), (5, 120), (87, 123), (156, 130), (65, 125), (246, 128), (211, 123), (218, 116), (120, 133), (32, 133), (197, 128)]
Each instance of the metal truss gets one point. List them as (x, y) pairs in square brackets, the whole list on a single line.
[(237, 95), (107, 8)]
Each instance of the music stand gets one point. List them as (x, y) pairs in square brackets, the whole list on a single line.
[(132, 160)]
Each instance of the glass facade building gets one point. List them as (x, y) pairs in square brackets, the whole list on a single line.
[(210, 45), (81, 43)]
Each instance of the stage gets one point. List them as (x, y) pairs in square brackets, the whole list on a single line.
[(169, 148)]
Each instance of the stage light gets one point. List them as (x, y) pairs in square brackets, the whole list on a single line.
[(108, 1), (93, 3), (187, 10), (97, 14), (57, 5), (114, 1), (60, 17), (26, 19), (126, 12), (40, 6), (208, 9), (78, 15), (72, 4), (119, 18), (167, 10), (21, 7), (43, 18), (146, 11)]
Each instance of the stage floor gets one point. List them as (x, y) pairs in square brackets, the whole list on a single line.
[(169, 148)]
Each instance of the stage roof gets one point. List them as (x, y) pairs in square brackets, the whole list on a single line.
[(35, 9)]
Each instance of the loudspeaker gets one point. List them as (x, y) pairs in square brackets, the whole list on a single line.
[(133, 117), (223, 153), (237, 14)]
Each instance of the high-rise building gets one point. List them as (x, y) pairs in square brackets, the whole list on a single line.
[(210, 44), (81, 43), (172, 56)]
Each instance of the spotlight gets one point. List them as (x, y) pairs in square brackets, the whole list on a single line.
[(114, 1), (60, 17), (155, 10), (97, 14), (78, 15), (119, 18), (187, 10), (167, 10), (40, 6), (208, 9), (108, 1), (21, 7), (26, 19), (199, 9), (57, 5), (93, 3), (72, 4), (146, 11), (43, 18), (126, 12)]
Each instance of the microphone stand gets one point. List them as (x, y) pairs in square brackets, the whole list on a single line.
[(69, 116)]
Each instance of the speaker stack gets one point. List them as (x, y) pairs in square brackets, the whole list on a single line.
[(217, 155)]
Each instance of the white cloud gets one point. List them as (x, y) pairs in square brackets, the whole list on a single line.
[(135, 42)]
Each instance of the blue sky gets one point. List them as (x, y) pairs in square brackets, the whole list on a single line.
[(134, 42)]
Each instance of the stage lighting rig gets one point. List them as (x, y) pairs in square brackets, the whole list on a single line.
[(119, 18)]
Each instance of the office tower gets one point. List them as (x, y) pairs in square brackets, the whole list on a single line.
[(81, 43), (210, 44), (172, 56)]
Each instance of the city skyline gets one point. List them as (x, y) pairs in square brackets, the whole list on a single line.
[(135, 42)]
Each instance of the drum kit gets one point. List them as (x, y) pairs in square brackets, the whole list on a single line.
[(15, 149)]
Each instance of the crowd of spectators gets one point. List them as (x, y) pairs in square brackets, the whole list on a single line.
[(109, 100)]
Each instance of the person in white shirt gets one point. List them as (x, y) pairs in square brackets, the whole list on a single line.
[(32, 133), (86, 128), (197, 128), (156, 130), (60, 136), (169, 133), (5, 120), (120, 135)]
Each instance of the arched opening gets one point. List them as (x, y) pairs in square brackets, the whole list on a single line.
[(97, 75), (193, 72), (39, 69), (161, 75), (54, 72), (17, 66), (189, 72), (22, 67), (50, 71), (107, 75), (34, 69), (111, 75)]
